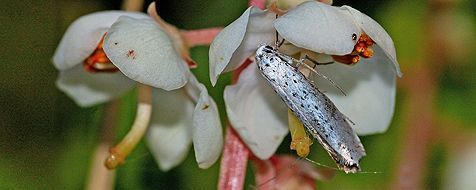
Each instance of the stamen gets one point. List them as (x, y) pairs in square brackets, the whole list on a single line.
[(362, 48), (348, 59), (144, 109), (300, 140), (98, 61), (368, 53)]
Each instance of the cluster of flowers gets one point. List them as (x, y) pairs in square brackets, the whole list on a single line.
[(103, 55)]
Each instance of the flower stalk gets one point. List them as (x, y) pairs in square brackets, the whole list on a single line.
[(99, 177), (233, 162), (144, 110), (132, 5)]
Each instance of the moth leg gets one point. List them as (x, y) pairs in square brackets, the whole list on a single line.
[(325, 77), (315, 62), (277, 42)]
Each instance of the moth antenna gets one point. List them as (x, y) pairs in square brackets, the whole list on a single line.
[(325, 77), (338, 169)]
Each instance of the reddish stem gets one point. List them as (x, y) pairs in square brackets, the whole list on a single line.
[(422, 88), (233, 162), (258, 3), (199, 37), (419, 131)]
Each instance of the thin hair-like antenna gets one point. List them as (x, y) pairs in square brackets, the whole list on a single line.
[(337, 169), (301, 62)]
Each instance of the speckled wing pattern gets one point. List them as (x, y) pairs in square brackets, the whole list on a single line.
[(313, 108)]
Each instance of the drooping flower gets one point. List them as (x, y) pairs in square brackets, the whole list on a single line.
[(321, 31), (140, 49), (90, 84), (144, 51)]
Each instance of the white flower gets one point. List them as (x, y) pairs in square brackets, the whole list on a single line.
[(253, 108), (143, 51), (138, 47), (78, 43)]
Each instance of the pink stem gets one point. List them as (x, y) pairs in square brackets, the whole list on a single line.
[(418, 133), (233, 162), (200, 37), (258, 3)]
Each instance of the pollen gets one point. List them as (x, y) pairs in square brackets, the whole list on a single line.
[(98, 61), (363, 48)]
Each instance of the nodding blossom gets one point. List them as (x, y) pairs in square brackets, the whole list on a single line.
[(99, 82), (324, 33), (102, 55)]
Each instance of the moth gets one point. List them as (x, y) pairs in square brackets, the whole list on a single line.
[(314, 109)]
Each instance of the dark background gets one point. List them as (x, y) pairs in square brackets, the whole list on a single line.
[(46, 140)]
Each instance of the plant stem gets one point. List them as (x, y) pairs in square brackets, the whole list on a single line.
[(99, 176), (144, 110), (233, 162), (132, 5)]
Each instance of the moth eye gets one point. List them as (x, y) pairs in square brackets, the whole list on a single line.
[(354, 36)]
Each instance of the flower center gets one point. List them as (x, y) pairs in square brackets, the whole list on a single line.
[(363, 48), (98, 61)]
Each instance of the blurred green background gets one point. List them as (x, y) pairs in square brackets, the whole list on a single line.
[(46, 141)]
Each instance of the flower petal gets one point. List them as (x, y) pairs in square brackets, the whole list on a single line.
[(145, 53), (239, 40), (88, 89), (377, 34), (207, 131), (170, 131), (319, 27), (83, 35), (256, 112), (370, 86)]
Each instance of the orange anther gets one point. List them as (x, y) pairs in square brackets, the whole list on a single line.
[(98, 61), (368, 53), (346, 59), (360, 47)]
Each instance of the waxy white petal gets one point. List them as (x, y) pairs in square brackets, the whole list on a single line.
[(145, 53), (83, 35), (256, 112), (377, 34), (170, 131), (370, 86), (319, 27), (88, 89), (239, 40), (207, 131)]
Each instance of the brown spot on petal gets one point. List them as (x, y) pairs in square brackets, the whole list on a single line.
[(206, 106), (131, 54)]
